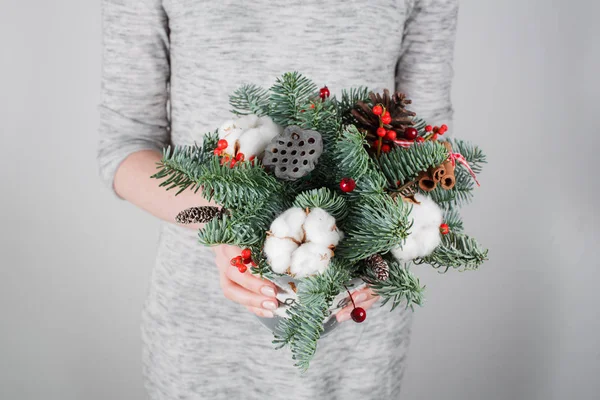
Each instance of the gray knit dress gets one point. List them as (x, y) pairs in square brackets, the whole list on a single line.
[(168, 69)]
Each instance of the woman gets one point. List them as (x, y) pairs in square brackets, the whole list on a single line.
[(169, 67)]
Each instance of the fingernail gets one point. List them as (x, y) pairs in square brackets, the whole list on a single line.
[(267, 314), (360, 297), (343, 317), (269, 305), (268, 291)]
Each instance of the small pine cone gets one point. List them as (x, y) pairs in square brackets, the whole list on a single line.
[(380, 268), (199, 214)]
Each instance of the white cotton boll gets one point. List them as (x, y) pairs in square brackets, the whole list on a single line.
[(409, 250), (226, 128), (269, 128), (310, 259), (246, 122), (289, 224), (279, 253), (424, 234), (429, 239), (252, 143), (426, 214), (320, 228)]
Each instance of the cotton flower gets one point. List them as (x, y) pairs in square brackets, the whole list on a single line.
[(309, 259), (249, 135), (279, 253), (290, 224), (303, 243), (424, 234), (320, 228)]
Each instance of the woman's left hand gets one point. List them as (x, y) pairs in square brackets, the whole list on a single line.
[(364, 298)]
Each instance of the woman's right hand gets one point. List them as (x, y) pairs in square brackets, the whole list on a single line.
[(254, 293)]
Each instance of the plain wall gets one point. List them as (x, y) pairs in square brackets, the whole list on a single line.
[(75, 262)]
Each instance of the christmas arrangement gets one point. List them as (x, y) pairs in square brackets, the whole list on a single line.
[(327, 194)]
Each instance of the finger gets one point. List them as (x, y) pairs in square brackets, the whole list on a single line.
[(365, 297), (260, 312), (368, 304), (252, 283), (238, 294)]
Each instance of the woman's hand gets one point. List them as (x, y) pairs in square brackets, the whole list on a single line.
[(364, 298), (254, 293)]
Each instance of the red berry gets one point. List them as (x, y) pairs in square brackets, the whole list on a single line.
[(436, 129), (386, 118), (444, 229), (247, 260), (381, 132), (324, 93), (218, 152), (377, 110), (222, 144), (410, 133), (240, 157), (443, 129), (347, 185), (428, 128), (420, 139), (232, 163), (358, 315), (434, 136), (385, 148), (391, 135), (242, 268), (312, 106), (375, 144), (235, 260), (246, 253)]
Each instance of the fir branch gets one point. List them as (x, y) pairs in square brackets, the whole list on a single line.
[(349, 99), (323, 198), (250, 99), (304, 327), (473, 154), (245, 184), (350, 156), (453, 220), (245, 226), (376, 224), (321, 116), (181, 166), (402, 165), (288, 95), (457, 251), (209, 144), (372, 183), (401, 287)]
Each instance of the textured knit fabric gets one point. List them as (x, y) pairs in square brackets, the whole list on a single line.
[(168, 69)]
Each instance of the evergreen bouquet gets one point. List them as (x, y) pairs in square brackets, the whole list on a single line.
[(325, 194)]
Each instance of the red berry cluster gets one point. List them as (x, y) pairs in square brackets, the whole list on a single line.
[(385, 118), (242, 261), (226, 158), (434, 131)]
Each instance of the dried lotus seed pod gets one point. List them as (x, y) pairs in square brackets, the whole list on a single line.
[(294, 153)]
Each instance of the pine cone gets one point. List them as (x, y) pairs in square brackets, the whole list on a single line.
[(199, 214), (379, 267), (396, 105)]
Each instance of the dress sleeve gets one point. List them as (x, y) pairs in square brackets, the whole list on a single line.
[(424, 70), (135, 78)]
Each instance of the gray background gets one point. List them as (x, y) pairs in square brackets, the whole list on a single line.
[(76, 262)]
